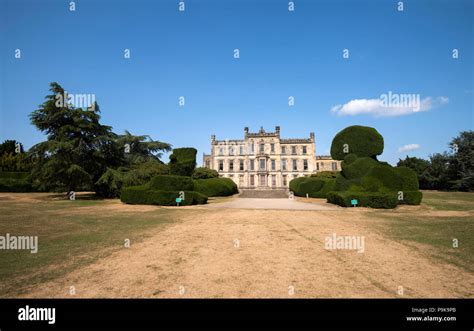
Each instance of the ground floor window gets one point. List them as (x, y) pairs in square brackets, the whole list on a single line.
[(274, 180), (252, 180), (221, 165), (241, 180), (263, 180), (284, 180)]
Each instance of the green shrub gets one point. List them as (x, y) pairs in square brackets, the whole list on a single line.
[(16, 185), (143, 195), (358, 167), (213, 187), (315, 187), (361, 140), (183, 161), (295, 183), (14, 174), (365, 199), (349, 158), (171, 183), (205, 173), (408, 177)]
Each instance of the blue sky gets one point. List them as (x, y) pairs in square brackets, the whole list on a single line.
[(282, 54)]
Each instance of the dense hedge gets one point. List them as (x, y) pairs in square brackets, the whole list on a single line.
[(213, 187), (326, 174), (358, 167), (146, 196), (183, 161), (16, 185), (411, 198), (15, 182), (14, 174), (361, 140), (171, 183), (365, 199), (204, 173), (315, 187)]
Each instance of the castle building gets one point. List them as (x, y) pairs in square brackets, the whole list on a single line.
[(263, 160)]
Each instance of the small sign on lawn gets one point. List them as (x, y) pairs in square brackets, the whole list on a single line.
[(354, 202)]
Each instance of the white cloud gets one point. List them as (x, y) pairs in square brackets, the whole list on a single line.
[(389, 105), (408, 148)]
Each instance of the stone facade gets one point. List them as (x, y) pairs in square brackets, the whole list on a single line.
[(263, 160)]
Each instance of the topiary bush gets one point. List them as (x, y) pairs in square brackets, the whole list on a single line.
[(214, 187), (411, 198), (315, 187), (361, 140), (183, 161), (385, 200), (143, 195), (358, 167), (205, 173), (171, 183), (16, 185), (326, 174)]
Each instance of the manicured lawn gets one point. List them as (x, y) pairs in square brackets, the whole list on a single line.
[(445, 216), (70, 234)]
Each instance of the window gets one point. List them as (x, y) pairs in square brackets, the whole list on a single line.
[(241, 165), (221, 165), (252, 147), (283, 149), (295, 165), (283, 164), (304, 149), (231, 150), (305, 164), (274, 180), (221, 151), (241, 180), (317, 165), (262, 148), (263, 180), (334, 166), (241, 150), (262, 164), (231, 165), (252, 180), (252, 165), (284, 180), (272, 148), (293, 149), (273, 165)]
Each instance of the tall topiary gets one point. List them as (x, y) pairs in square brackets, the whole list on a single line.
[(359, 140), (183, 161)]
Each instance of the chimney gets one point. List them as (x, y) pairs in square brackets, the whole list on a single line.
[(213, 139), (277, 131), (311, 136)]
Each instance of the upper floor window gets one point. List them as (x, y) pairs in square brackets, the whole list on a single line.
[(221, 165), (231, 150), (262, 164), (231, 165), (305, 164), (304, 149), (293, 149), (262, 148), (272, 148), (295, 165), (283, 164), (273, 165), (221, 151), (252, 165), (241, 165), (252, 148), (241, 150), (283, 149)]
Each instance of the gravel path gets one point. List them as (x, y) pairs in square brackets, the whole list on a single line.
[(287, 204)]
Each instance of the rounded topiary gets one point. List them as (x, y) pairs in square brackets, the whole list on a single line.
[(409, 179), (214, 187), (349, 158), (361, 140), (205, 173), (358, 168)]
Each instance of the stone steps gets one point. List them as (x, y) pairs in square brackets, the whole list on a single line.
[(264, 194)]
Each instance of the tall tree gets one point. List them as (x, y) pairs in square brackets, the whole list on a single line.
[(461, 168), (78, 148)]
